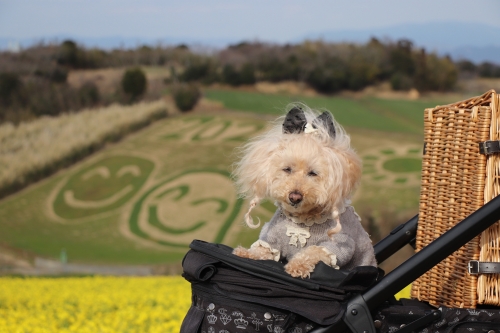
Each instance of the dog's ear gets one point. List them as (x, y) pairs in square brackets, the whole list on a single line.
[(295, 121), (325, 120)]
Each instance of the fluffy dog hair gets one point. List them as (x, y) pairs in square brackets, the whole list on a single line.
[(310, 177)]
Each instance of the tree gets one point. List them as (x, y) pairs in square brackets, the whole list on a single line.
[(134, 82), (9, 84), (186, 96), (68, 54)]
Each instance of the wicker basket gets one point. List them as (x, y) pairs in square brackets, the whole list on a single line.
[(457, 180)]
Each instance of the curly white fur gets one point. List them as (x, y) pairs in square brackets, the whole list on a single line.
[(260, 172)]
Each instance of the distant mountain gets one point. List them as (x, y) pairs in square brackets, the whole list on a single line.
[(474, 41), (476, 54), (461, 40)]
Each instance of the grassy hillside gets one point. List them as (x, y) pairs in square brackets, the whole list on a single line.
[(405, 116), (142, 200)]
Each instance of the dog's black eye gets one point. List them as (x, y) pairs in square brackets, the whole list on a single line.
[(287, 170), (312, 174)]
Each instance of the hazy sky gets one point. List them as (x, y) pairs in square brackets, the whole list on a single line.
[(271, 20)]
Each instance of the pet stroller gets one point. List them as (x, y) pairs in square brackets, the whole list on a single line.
[(232, 294)]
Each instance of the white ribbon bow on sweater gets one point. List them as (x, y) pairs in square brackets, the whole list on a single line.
[(297, 234)]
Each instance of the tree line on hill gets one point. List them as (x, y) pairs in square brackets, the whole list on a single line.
[(33, 82)]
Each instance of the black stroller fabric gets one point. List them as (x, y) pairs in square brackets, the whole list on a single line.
[(230, 293), (398, 318)]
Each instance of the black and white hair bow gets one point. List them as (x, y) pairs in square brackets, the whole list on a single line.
[(295, 122)]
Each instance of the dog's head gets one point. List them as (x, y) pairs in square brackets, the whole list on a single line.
[(305, 164)]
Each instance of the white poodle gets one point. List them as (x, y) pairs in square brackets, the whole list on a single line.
[(306, 165)]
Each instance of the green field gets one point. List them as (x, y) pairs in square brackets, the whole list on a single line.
[(142, 200), (370, 113)]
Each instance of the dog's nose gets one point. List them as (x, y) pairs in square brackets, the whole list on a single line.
[(295, 197)]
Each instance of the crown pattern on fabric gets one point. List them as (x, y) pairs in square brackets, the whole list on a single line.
[(473, 312), (240, 322), (278, 329), (211, 318)]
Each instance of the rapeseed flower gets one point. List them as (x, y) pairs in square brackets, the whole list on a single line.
[(93, 304)]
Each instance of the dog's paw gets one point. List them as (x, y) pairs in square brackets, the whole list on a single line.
[(299, 268), (256, 253), (303, 263), (242, 252)]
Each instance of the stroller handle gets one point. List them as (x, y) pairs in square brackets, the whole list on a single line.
[(399, 237), (412, 268), (433, 253)]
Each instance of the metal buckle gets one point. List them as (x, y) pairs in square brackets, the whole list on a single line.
[(489, 147), (483, 149), (473, 267)]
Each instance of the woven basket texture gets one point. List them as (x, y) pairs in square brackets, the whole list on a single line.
[(488, 285), (456, 181)]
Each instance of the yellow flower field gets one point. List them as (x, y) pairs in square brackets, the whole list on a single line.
[(93, 304)]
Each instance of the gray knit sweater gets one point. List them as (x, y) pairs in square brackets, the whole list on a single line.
[(352, 245)]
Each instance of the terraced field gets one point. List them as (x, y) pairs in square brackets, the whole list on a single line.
[(142, 200)]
